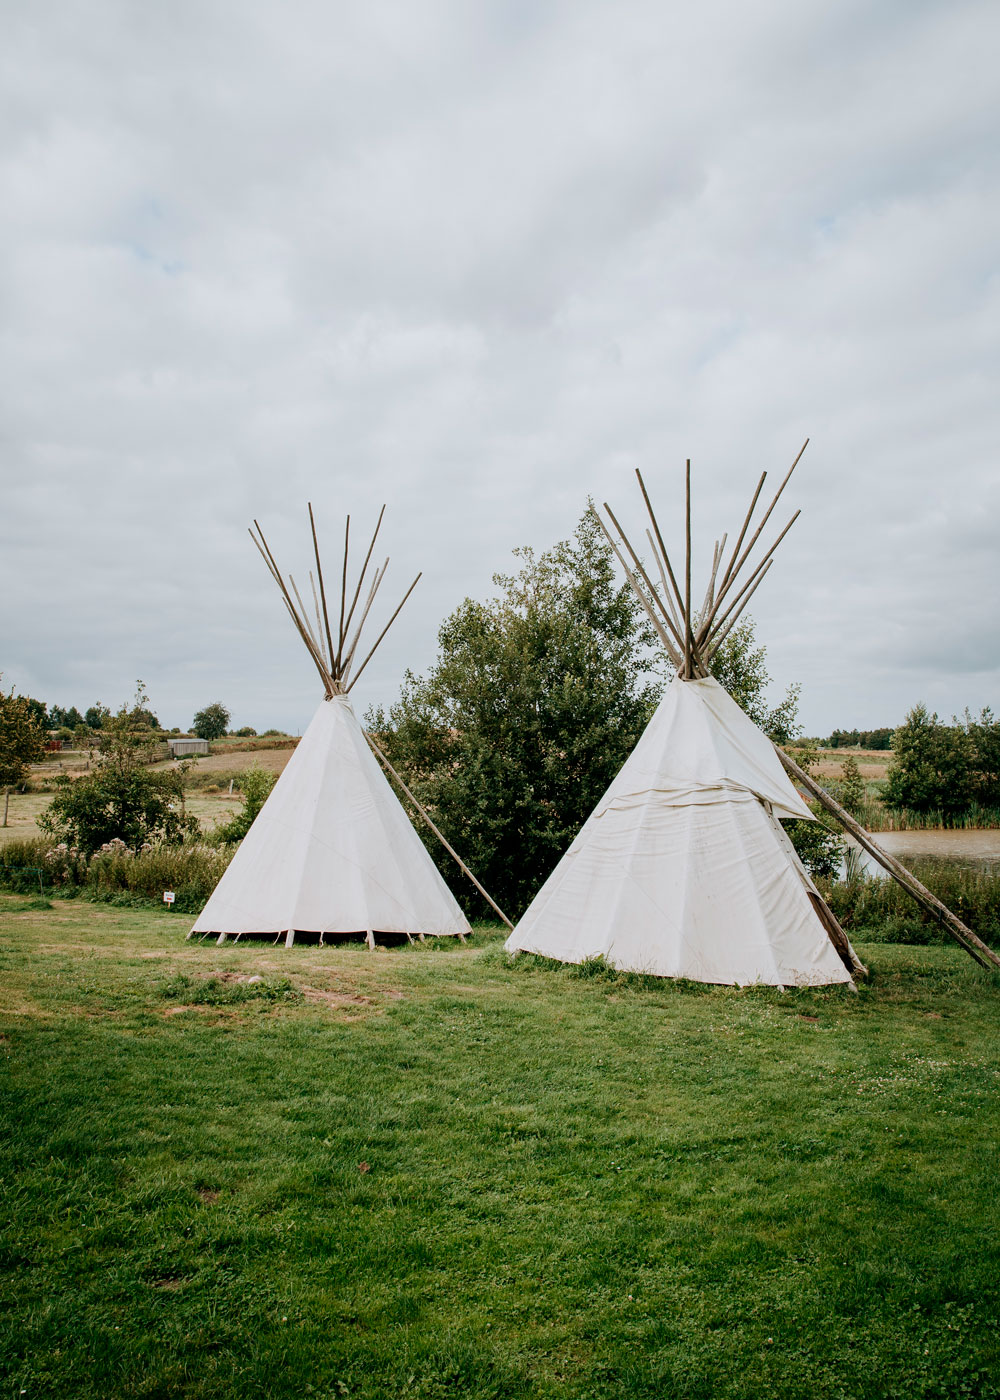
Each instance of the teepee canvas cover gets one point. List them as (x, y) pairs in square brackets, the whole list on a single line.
[(332, 850), (682, 869)]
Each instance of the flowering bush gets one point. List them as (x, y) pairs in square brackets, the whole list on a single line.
[(115, 873), (191, 871), (65, 864)]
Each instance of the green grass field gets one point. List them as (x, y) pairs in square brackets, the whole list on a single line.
[(425, 1172)]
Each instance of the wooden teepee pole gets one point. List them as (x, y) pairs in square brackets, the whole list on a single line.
[(659, 537), (735, 567), (430, 822), (349, 655), (322, 588), (973, 945), (361, 576), (357, 674), (688, 636), (672, 651), (343, 593)]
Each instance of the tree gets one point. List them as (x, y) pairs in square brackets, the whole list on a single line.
[(255, 784), (931, 770), (22, 742), (852, 786), (39, 713), (535, 701), (121, 798), (94, 717), (211, 722), (739, 666), (984, 735)]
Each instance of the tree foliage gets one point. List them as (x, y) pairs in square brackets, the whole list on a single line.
[(535, 701), (944, 768), (122, 798), (22, 739), (860, 739), (95, 716), (211, 722), (852, 786), (255, 784)]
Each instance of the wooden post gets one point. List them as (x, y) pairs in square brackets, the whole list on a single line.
[(972, 944), (428, 819), (6, 803)]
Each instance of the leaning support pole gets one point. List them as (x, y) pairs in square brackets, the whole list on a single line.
[(429, 820), (973, 945)]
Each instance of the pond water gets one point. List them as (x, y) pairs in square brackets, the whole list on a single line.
[(963, 847)]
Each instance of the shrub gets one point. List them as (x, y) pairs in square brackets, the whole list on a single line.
[(818, 846), (881, 910), (255, 783), (191, 871), (115, 874)]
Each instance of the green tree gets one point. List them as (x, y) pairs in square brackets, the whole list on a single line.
[(121, 798), (211, 722), (984, 736), (39, 712), (22, 742), (740, 666), (931, 768), (94, 717), (255, 784), (535, 701), (852, 786)]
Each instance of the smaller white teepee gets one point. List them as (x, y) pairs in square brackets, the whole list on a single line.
[(332, 851)]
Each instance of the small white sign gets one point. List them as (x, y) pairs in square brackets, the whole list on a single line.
[(168, 896)]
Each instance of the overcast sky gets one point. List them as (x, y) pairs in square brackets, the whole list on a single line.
[(480, 260)]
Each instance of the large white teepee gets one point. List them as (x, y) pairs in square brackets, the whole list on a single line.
[(682, 869), (332, 851)]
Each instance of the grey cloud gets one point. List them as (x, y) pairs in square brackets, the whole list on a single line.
[(480, 262)]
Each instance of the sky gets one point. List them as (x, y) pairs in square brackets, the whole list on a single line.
[(479, 261)]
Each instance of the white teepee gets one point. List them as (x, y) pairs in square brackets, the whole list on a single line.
[(682, 869), (332, 851)]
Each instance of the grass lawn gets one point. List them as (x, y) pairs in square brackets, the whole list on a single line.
[(424, 1172)]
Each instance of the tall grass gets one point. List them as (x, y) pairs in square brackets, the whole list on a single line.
[(881, 911), (114, 874), (879, 818), (874, 815)]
